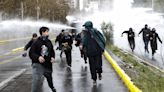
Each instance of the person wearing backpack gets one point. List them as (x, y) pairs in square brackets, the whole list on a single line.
[(94, 43)]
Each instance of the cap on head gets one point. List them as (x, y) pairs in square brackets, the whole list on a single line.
[(88, 24), (43, 29)]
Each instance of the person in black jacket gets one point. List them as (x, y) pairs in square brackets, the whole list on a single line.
[(29, 44), (146, 38), (67, 42), (78, 39), (131, 36), (59, 40), (42, 55), (94, 44), (153, 41)]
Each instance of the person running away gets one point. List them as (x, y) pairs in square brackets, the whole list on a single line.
[(29, 44), (130, 33), (153, 41), (94, 43), (59, 40), (146, 38), (42, 55), (67, 42)]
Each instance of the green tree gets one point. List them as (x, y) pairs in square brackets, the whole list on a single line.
[(53, 10)]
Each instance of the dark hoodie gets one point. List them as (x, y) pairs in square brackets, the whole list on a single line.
[(42, 47), (93, 40)]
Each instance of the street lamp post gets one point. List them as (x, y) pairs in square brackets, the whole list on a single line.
[(22, 10), (38, 10), (152, 5)]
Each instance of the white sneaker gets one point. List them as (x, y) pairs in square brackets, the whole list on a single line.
[(94, 82)]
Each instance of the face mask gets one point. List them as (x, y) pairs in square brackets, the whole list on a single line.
[(45, 37)]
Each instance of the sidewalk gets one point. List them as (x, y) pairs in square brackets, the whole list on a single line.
[(76, 79)]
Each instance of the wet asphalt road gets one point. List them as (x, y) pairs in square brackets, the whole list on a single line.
[(76, 79), (11, 63)]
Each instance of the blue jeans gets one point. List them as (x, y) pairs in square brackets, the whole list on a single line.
[(38, 71)]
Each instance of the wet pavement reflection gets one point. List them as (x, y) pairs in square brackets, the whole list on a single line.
[(78, 78)]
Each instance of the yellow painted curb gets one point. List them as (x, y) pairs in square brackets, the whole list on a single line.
[(125, 78)]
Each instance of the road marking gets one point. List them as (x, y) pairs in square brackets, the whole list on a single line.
[(10, 40), (17, 49), (6, 54), (5, 82), (12, 51), (9, 60)]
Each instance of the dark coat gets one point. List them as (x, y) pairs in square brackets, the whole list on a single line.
[(59, 39), (131, 35), (78, 38), (37, 49), (29, 44), (146, 33), (91, 46), (153, 40), (69, 40), (93, 40)]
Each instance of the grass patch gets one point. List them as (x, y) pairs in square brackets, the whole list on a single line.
[(147, 78)]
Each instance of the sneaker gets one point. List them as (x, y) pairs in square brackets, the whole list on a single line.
[(60, 55), (94, 82), (53, 90), (69, 66)]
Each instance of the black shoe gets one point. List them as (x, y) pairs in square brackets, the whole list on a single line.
[(53, 90), (85, 61), (100, 76), (82, 56), (60, 55)]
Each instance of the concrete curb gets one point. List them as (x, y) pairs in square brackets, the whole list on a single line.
[(5, 82), (124, 77), (143, 61)]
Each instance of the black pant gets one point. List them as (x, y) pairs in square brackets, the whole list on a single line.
[(146, 42), (132, 43), (83, 54), (37, 74), (48, 75), (68, 57), (95, 64)]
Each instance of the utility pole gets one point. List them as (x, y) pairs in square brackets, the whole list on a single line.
[(38, 10), (152, 5), (22, 10)]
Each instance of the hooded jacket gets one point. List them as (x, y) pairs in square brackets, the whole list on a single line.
[(93, 40)]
